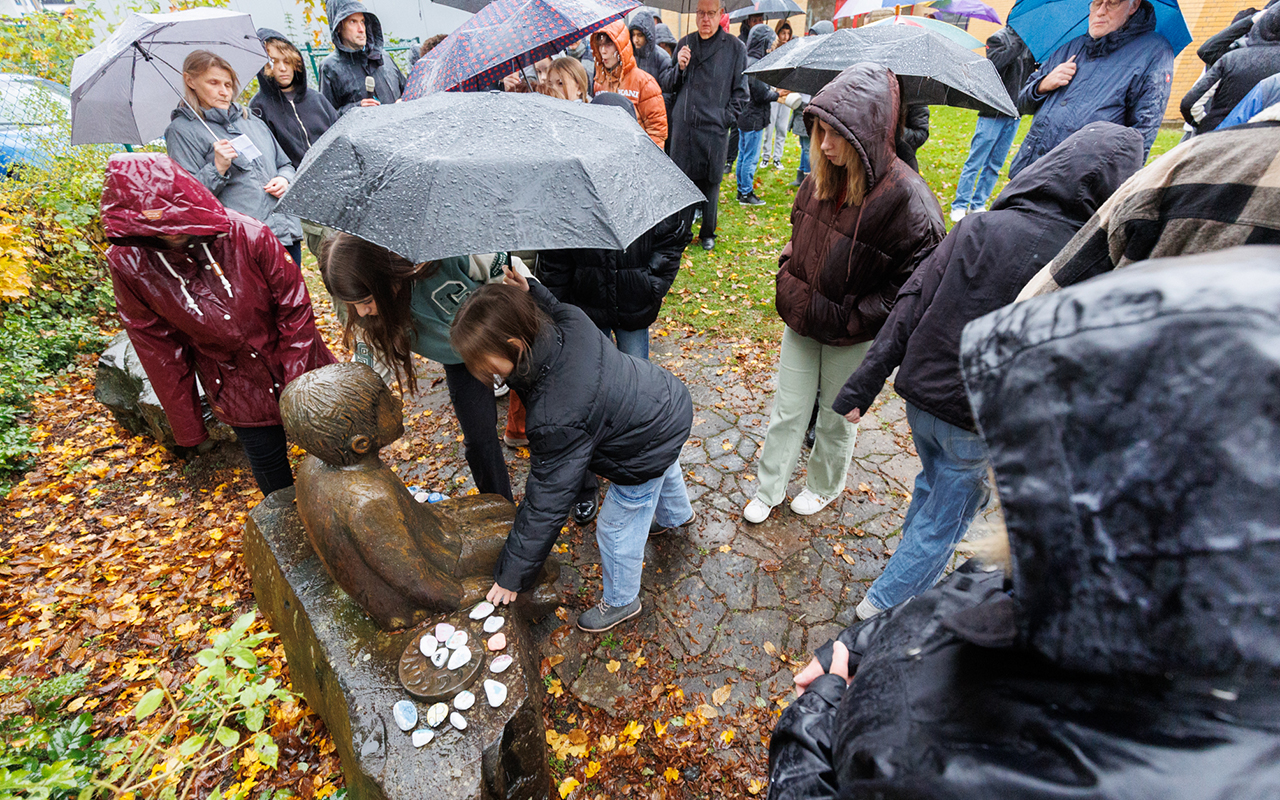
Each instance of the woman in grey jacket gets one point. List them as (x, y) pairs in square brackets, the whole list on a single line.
[(229, 150)]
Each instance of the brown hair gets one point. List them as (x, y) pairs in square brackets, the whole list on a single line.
[(197, 63), (784, 26), (488, 322), (324, 409), (430, 44), (354, 270), (291, 55), (832, 182), (569, 68)]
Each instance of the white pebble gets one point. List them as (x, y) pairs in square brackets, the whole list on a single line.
[(500, 663), (436, 714), (492, 624), (458, 639), (422, 737), (458, 721), (439, 657), (484, 609), (443, 631), (495, 692), (428, 645), (464, 700), (460, 656)]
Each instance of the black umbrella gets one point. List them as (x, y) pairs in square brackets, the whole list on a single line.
[(769, 9), (934, 70), (457, 173)]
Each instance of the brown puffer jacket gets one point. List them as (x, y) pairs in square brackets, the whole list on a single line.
[(839, 274)]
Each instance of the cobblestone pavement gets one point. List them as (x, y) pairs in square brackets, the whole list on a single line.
[(727, 603)]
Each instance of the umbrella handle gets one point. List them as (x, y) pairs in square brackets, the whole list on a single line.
[(182, 96)]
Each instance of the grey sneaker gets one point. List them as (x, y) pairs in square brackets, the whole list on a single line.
[(603, 616), (657, 530)]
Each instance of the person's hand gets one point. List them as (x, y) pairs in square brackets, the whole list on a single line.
[(839, 666), (1058, 77), (369, 102), (682, 58), (501, 597), (223, 155), (782, 94), (276, 186), (854, 416), (512, 82), (512, 278)]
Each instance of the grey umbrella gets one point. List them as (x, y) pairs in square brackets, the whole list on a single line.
[(123, 90), (769, 9), (933, 69), (458, 172)]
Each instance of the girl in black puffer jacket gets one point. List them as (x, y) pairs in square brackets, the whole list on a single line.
[(590, 408)]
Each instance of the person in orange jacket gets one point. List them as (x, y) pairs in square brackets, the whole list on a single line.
[(616, 71)]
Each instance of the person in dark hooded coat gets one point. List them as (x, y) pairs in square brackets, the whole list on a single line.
[(1133, 650), (754, 117), (983, 263), (296, 115), (358, 53), (644, 45), (710, 92), (1236, 73), (1120, 71)]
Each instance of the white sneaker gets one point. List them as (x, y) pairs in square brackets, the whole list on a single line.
[(957, 214), (866, 609), (756, 511), (977, 210), (807, 503)]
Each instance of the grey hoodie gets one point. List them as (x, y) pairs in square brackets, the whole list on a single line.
[(343, 72), (189, 144)]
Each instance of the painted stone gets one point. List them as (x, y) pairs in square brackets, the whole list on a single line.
[(458, 721), (436, 714), (428, 645), (460, 656), (406, 714), (440, 656), (492, 624), (458, 639), (464, 700), (495, 692), (443, 631), (423, 736), (482, 610), (497, 642), (500, 663)]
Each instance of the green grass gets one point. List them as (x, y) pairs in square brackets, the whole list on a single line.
[(729, 291)]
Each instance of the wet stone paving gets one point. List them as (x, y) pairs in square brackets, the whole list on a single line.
[(726, 603)]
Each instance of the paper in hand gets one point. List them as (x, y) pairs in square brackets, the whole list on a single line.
[(245, 148)]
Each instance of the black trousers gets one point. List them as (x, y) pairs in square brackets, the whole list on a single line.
[(295, 252), (268, 455), (732, 156), (477, 413), (711, 206)]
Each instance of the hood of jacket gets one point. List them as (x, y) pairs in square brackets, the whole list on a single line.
[(1134, 431), (621, 37), (642, 21), (1142, 22), (145, 195), (1075, 178), (861, 104), (758, 41), (664, 35), (1267, 29), (338, 10), (266, 83), (821, 27)]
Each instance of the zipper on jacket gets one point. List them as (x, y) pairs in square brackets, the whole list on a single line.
[(299, 119)]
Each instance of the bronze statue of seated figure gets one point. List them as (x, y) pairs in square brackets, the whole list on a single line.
[(399, 559)]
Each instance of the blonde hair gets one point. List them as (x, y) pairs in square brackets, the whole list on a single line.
[(569, 68), (830, 181), (197, 63)]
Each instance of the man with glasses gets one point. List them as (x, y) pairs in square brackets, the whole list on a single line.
[(1120, 72), (710, 91)]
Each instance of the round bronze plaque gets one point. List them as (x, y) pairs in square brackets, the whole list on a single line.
[(425, 680)]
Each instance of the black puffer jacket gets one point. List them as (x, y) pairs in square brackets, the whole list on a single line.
[(1013, 62), (1219, 44), (343, 72), (297, 117), (914, 133), (1130, 422), (651, 58), (983, 263), (619, 288), (590, 407), (755, 116), (1237, 72)]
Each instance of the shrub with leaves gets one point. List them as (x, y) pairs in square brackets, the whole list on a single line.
[(45, 44)]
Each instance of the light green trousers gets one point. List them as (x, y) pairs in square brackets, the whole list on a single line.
[(804, 367)]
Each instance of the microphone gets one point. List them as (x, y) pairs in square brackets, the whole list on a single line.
[(368, 87)]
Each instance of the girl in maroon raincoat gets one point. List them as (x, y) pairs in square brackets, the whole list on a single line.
[(209, 293)]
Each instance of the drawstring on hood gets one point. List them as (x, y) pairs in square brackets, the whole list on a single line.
[(217, 269), (191, 301)]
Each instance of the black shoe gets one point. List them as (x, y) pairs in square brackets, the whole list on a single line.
[(728, 168), (709, 243), (586, 511), (603, 616), (657, 530), (749, 199), (809, 437), (799, 180)]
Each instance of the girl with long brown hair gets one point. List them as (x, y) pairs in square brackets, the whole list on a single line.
[(403, 308)]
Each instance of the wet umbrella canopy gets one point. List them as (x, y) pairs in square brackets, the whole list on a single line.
[(933, 70), (769, 9), (459, 173)]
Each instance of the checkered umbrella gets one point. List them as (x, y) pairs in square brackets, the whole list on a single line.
[(505, 36)]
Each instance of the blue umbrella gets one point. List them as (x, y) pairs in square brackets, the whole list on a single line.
[(1046, 25)]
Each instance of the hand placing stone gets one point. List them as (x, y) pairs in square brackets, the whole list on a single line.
[(464, 700), (500, 663), (406, 714), (492, 624), (458, 639), (460, 656), (482, 610), (458, 721), (497, 642), (495, 692), (436, 714), (422, 737)]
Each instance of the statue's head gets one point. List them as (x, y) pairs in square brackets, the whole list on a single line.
[(341, 413)]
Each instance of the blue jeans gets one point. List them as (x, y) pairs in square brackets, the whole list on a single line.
[(623, 528), (748, 158), (949, 491), (633, 343), (804, 155), (991, 140)]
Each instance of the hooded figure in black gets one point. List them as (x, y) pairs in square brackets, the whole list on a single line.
[(343, 72), (296, 114), (651, 58), (1134, 650)]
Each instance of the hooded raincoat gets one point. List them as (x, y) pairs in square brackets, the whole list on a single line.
[(841, 270), (635, 84), (983, 263), (343, 72), (297, 116), (1124, 78), (709, 93), (1134, 652), (230, 307), (1236, 73), (651, 58), (188, 142), (755, 116)]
